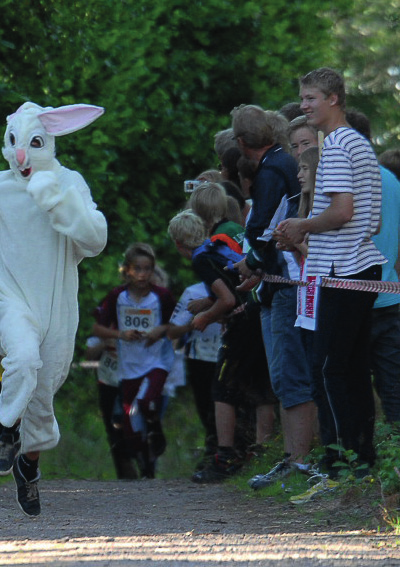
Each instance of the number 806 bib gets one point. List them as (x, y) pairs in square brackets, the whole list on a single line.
[(136, 319)]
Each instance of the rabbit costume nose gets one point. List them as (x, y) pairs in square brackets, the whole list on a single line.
[(20, 156)]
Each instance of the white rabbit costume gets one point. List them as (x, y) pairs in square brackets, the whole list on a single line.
[(48, 224)]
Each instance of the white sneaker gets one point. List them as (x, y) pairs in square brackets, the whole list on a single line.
[(323, 486)]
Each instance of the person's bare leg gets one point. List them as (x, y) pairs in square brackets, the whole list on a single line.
[(298, 430), (33, 455), (225, 420), (265, 417)]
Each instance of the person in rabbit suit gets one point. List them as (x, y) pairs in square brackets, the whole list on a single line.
[(48, 224)]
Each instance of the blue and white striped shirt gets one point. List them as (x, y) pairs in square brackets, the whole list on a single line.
[(348, 165)]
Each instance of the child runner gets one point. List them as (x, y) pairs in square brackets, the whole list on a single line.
[(137, 314)]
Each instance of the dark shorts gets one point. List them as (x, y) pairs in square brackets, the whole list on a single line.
[(242, 371)]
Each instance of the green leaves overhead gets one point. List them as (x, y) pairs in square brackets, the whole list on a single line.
[(168, 73)]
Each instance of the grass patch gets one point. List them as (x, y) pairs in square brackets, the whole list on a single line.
[(185, 437), (83, 451)]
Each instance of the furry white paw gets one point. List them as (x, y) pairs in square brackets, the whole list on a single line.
[(43, 187)]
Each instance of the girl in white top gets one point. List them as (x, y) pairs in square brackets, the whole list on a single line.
[(307, 296)]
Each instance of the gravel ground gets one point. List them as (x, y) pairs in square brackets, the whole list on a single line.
[(175, 522)]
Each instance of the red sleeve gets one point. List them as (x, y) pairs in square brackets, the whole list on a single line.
[(106, 313)]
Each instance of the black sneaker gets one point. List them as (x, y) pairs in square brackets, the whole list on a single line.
[(146, 466), (279, 471), (27, 492), (155, 439), (219, 469), (10, 445)]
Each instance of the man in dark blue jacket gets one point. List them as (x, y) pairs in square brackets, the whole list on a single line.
[(275, 192)]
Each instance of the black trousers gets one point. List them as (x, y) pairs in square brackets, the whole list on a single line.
[(341, 382)]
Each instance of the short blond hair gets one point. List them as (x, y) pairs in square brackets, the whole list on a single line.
[(328, 81), (187, 229), (301, 122), (210, 202), (210, 175), (279, 126)]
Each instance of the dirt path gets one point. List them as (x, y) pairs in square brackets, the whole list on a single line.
[(174, 523)]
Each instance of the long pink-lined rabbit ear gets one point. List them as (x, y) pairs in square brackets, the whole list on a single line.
[(67, 119)]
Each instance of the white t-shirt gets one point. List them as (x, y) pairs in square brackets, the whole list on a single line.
[(135, 358), (108, 363), (202, 345)]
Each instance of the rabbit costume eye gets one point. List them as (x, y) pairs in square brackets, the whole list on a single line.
[(37, 142), (12, 139)]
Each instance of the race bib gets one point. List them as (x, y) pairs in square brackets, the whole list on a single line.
[(107, 371), (136, 319)]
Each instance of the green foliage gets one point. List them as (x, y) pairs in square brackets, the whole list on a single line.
[(168, 74), (83, 451), (366, 50), (388, 451)]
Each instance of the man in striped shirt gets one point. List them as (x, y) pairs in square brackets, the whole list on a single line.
[(346, 214)]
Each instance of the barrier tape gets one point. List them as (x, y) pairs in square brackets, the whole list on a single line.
[(339, 283)]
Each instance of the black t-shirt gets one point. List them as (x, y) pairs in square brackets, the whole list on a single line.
[(208, 269)]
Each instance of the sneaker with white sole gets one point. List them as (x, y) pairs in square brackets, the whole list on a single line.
[(324, 486), (10, 445), (27, 491), (281, 470)]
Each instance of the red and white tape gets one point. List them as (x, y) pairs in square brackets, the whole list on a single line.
[(339, 283)]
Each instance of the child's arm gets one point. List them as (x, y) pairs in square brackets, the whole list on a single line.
[(109, 333), (224, 303), (198, 305), (177, 331), (156, 334), (94, 352)]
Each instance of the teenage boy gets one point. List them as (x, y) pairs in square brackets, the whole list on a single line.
[(345, 216)]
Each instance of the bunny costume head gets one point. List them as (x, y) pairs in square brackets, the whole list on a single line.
[(29, 144)]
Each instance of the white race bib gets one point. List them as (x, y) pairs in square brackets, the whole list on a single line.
[(136, 319)]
